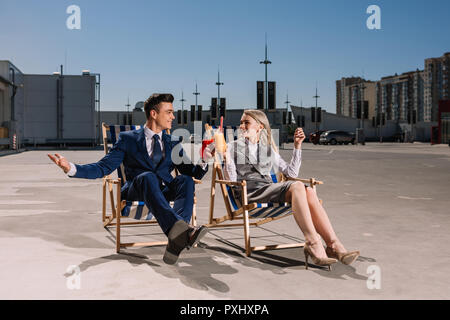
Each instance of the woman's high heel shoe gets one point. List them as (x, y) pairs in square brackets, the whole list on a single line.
[(344, 257), (317, 261)]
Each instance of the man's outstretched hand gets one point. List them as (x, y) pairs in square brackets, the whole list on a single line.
[(60, 162)]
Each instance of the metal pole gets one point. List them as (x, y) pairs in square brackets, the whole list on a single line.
[(266, 88), (287, 111), (218, 83), (196, 96), (182, 102), (381, 126), (287, 101), (128, 110), (287, 107), (379, 121), (315, 110), (362, 105), (362, 87), (196, 93), (182, 108), (266, 95), (380, 112), (411, 121)]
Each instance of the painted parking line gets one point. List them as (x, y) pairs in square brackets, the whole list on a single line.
[(26, 213), (410, 198), (19, 201)]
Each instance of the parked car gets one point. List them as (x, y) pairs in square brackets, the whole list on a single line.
[(335, 136), (314, 137)]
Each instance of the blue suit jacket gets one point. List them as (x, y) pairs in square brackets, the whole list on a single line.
[(131, 149)]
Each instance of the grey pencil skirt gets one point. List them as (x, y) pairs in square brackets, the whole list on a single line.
[(270, 192)]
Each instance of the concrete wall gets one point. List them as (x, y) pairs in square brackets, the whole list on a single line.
[(77, 113)]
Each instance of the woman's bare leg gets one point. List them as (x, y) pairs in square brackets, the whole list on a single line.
[(296, 195), (322, 222)]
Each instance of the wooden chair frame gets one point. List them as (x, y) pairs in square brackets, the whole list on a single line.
[(117, 205), (242, 213)]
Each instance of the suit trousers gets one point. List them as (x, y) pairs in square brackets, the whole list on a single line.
[(149, 188)]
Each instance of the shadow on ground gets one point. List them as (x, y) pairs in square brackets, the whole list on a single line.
[(198, 268)]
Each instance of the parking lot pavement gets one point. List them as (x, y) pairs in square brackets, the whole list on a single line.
[(390, 201)]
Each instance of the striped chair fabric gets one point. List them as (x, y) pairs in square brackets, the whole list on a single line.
[(263, 210)]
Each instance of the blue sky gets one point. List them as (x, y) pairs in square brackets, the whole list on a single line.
[(146, 46)]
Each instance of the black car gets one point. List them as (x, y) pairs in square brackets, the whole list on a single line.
[(335, 136)]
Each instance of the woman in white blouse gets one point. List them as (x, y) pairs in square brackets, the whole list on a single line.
[(253, 156)]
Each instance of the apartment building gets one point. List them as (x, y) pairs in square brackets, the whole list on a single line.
[(436, 81), (349, 94), (400, 97), (403, 98)]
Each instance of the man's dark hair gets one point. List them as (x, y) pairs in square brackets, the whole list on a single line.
[(154, 100)]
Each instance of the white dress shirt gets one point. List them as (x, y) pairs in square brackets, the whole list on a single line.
[(150, 142), (291, 170)]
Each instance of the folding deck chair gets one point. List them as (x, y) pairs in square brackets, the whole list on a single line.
[(262, 212), (128, 209)]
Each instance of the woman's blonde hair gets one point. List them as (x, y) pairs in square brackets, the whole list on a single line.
[(266, 133)]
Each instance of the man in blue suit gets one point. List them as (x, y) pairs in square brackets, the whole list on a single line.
[(148, 156)]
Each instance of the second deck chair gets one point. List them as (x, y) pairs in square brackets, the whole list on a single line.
[(122, 209), (262, 212)]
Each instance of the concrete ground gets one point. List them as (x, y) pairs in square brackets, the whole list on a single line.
[(390, 201)]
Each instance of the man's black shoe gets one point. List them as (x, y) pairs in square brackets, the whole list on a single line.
[(196, 234), (178, 240)]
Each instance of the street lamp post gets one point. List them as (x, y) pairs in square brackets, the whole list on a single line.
[(218, 84), (362, 87), (196, 93), (287, 101), (411, 121), (315, 111), (128, 111), (182, 107), (380, 121), (266, 93), (182, 101), (287, 119), (287, 107)]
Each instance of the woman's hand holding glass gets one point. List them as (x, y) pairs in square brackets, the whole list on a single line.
[(209, 152), (299, 136)]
